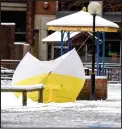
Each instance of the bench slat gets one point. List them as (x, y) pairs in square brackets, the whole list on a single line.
[(21, 88)]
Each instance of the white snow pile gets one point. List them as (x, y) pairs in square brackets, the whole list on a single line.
[(7, 71)]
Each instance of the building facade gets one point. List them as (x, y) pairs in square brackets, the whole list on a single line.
[(111, 10), (31, 17)]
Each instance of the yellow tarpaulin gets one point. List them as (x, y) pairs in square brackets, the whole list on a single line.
[(62, 78)]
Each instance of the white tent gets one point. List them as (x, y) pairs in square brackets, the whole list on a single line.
[(56, 36), (82, 21), (63, 78)]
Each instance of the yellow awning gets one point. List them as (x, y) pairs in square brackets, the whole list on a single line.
[(82, 28)]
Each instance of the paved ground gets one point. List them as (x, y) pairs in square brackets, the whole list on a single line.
[(79, 114)]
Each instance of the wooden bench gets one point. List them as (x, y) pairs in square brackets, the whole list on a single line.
[(24, 90)]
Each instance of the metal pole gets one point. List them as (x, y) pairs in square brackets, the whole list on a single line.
[(92, 97), (98, 59), (62, 35), (52, 52), (103, 54), (120, 52), (86, 53), (0, 13), (68, 35)]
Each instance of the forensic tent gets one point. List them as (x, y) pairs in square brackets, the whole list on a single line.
[(63, 78)]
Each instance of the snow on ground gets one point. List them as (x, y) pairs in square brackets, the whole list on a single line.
[(87, 114)]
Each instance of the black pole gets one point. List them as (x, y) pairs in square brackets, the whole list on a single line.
[(0, 42), (0, 12), (93, 63)]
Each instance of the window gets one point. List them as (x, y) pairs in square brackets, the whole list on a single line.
[(112, 51), (57, 51), (19, 18), (113, 48)]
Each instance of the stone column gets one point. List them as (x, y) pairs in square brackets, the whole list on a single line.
[(29, 22), (42, 17)]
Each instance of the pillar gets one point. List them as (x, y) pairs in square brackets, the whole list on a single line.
[(29, 22)]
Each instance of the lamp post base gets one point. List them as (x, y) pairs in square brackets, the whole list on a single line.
[(92, 95)]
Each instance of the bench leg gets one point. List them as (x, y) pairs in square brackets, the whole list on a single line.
[(40, 96), (24, 98)]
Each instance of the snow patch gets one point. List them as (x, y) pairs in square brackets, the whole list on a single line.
[(21, 43), (7, 23), (96, 77)]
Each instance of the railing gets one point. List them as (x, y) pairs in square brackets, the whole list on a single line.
[(6, 74), (112, 71), (7, 68), (10, 64)]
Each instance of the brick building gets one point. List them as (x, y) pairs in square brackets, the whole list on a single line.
[(31, 17)]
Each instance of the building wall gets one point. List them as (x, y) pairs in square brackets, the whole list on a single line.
[(7, 40), (42, 16), (39, 9), (13, 6), (16, 13), (36, 18)]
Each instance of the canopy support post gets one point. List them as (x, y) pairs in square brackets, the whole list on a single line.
[(68, 35), (52, 52), (62, 43), (120, 52), (98, 58), (103, 54)]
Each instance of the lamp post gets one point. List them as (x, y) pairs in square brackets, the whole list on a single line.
[(94, 8)]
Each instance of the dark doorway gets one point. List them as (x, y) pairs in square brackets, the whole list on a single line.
[(19, 18)]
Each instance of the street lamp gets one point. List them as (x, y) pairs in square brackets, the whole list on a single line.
[(94, 8)]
